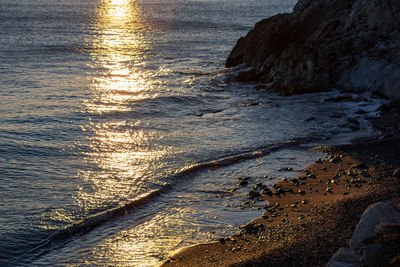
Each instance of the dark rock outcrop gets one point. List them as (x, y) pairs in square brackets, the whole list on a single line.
[(347, 44)]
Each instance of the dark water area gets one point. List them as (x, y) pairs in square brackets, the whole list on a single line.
[(122, 134)]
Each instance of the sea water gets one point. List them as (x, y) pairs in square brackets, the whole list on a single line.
[(122, 135)]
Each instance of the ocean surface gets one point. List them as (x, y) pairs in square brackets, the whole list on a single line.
[(122, 135)]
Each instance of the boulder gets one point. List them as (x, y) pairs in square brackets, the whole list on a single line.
[(386, 232), (325, 44), (374, 215), (375, 255), (345, 258)]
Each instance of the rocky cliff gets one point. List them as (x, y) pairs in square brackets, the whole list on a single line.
[(348, 44)]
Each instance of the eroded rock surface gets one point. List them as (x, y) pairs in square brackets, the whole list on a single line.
[(347, 44), (372, 217), (375, 241)]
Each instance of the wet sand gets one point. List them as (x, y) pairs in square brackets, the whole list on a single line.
[(310, 216)]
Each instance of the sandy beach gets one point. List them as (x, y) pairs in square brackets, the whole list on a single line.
[(310, 216)]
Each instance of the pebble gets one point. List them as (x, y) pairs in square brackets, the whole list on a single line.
[(267, 191), (253, 193), (328, 189), (335, 159), (295, 181), (243, 183), (319, 160), (260, 185)]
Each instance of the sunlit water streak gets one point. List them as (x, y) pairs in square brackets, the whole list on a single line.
[(105, 103)]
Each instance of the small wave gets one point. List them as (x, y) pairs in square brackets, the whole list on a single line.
[(233, 159), (92, 222)]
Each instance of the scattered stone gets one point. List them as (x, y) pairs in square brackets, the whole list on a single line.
[(267, 191), (295, 181), (253, 228), (328, 189), (285, 169), (243, 183), (319, 160), (302, 192), (260, 185), (335, 159), (254, 193)]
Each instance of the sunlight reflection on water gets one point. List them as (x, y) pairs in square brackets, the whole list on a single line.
[(119, 48), (119, 151)]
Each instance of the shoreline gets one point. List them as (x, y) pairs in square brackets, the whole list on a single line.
[(310, 216)]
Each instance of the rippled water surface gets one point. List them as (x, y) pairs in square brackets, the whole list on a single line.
[(122, 135)]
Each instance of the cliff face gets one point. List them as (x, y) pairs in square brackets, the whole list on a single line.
[(347, 44)]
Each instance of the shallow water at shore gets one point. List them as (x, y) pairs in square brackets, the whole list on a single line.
[(121, 132)]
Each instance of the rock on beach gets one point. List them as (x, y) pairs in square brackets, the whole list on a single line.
[(371, 218), (324, 44)]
